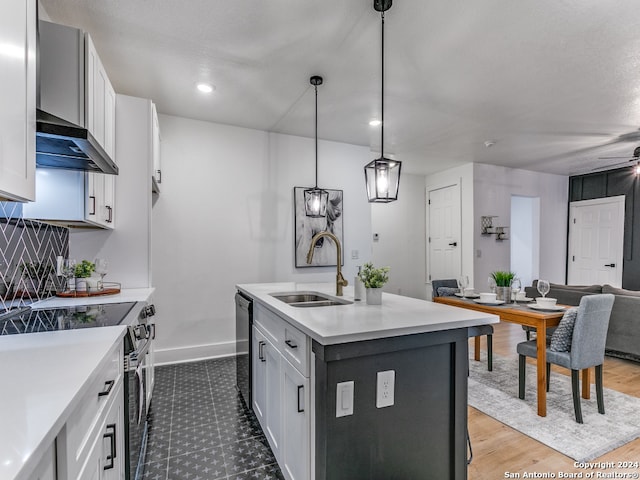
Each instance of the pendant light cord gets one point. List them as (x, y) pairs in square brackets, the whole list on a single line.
[(316, 88), (382, 94)]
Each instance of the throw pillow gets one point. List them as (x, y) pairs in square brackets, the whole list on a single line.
[(561, 338), (620, 291), (447, 291)]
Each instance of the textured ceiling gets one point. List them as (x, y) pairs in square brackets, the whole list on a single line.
[(554, 84)]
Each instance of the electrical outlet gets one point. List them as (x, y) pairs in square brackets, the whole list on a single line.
[(355, 254), (385, 391)]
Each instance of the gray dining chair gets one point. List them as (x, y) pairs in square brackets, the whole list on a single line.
[(579, 349), (448, 286)]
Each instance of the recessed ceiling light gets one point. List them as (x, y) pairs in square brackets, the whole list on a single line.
[(375, 123), (205, 87)]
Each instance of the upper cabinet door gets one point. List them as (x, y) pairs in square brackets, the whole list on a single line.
[(155, 137), (18, 99)]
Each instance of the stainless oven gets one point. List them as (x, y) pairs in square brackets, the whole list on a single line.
[(138, 384)]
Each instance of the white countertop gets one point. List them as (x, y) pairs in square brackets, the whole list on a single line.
[(42, 376), (396, 316), (125, 295)]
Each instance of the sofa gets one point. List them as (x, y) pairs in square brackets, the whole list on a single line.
[(623, 336)]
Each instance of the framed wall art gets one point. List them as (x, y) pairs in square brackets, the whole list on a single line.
[(306, 227)]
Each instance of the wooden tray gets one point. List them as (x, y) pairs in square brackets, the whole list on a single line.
[(109, 289)]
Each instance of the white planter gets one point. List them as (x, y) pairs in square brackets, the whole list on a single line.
[(374, 296), (81, 284)]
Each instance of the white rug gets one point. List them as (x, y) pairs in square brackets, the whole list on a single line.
[(496, 394)]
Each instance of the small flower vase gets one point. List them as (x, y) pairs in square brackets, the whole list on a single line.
[(81, 284), (503, 294), (374, 296)]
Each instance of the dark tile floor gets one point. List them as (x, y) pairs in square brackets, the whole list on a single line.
[(201, 430)]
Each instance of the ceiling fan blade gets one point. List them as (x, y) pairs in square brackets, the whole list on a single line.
[(627, 157), (614, 165)]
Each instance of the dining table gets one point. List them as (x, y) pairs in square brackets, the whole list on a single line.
[(522, 314)]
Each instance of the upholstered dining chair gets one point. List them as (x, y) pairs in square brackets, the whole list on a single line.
[(577, 343), (447, 288)]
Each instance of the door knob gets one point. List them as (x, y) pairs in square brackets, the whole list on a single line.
[(612, 265), (453, 244)]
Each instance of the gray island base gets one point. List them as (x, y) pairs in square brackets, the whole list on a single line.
[(319, 379), (421, 436)]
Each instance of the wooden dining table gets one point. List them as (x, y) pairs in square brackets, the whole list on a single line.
[(522, 315)]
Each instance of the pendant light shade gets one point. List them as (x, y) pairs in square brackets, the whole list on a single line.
[(315, 199), (382, 175)]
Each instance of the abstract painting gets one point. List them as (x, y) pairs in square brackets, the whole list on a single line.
[(325, 253)]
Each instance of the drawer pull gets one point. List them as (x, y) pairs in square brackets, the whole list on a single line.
[(260, 352), (300, 410), (290, 344), (109, 385), (112, 437)]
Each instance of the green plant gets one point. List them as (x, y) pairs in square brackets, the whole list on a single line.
[(84, 269), (503, 279), (373, 277), (36, 270)]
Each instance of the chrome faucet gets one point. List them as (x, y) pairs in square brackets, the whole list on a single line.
[(340, 281)]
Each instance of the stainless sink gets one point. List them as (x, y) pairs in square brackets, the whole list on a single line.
[(309, 299)]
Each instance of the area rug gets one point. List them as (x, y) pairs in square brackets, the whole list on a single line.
[(496, 394)]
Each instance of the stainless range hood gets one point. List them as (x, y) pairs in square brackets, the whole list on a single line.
[(61, 144)]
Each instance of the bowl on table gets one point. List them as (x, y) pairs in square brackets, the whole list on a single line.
[(546, 302)]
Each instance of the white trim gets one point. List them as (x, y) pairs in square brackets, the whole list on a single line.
[(194, 353)]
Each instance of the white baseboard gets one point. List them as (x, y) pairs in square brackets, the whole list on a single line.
[(194, 353)]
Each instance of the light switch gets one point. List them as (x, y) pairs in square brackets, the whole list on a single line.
[(344, 399)]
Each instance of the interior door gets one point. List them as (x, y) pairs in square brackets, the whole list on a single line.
[(596, 233), (443, 242)]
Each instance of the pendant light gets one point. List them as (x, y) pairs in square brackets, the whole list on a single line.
[(315, 199), (382, 175)]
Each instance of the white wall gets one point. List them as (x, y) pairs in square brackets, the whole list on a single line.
[(126, 248), (400, 226), (225, 216), (525, 237), (493, 189), (462, 176)]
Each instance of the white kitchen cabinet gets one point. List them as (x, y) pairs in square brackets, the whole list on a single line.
[(73, 198), (155, 139), (281, 396), (18, 99), (100, 100), (296, 424)]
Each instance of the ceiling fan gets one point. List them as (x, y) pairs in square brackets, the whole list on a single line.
[(624, 159)]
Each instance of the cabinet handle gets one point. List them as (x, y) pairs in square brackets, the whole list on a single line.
[(112, 438), (300, 387), (612, 265), (159, 176), (109, 385), (260, 352), (290, 344), (110, 217), (93, 205), (453, 244)]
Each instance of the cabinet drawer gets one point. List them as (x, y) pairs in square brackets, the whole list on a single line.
[(287, 339), (271, 325), (81, 426), (296, 348)]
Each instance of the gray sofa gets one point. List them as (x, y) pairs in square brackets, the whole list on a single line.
[(623, 337)]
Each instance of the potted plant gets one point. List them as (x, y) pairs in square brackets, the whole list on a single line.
[(503, 284), (82, 273), (373, 279)]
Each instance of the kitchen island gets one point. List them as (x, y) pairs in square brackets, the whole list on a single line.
[(326, 410)]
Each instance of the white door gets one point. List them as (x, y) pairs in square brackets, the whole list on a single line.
[(443, 235), (596, 232)]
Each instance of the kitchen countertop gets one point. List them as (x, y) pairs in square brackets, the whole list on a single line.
[(126, 295), (43, 375), (398, 315)]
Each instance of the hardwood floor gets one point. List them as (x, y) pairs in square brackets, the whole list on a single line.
[(498, 449)]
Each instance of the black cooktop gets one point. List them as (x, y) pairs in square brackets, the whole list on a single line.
[(26, 320)]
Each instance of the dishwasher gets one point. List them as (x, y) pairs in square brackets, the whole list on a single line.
[(244, 327)]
